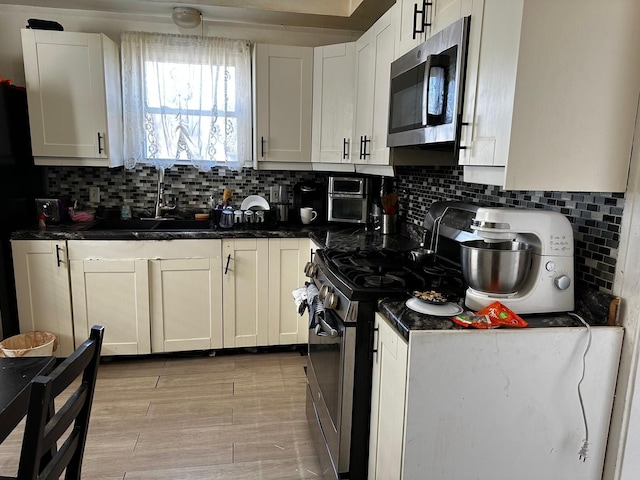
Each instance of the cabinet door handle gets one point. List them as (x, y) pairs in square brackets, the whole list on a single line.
[(345, 148), (374, 350), (262, 147), (100, 147), (363, 147), (226, 269), (425, 21), (58, 255), (458, 137), (415, 21)]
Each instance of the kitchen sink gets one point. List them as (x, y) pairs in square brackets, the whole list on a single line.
[(181, 225), (172, 225), (126, 225)]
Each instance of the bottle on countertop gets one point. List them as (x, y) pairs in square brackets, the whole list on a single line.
[(125, 211)]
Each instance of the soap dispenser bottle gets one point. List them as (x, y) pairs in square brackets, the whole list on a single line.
[(125, 211)]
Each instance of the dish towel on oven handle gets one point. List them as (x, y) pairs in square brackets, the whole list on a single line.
[(316, 307)]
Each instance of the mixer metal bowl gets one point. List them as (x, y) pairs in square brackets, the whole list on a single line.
[(499, 268)]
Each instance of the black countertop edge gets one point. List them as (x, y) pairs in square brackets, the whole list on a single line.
[(339, 236), (405, 320), (65, 232)]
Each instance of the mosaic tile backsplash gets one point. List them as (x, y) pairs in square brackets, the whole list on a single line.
[(595, 217)]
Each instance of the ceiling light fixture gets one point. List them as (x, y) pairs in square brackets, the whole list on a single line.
[(186, 17)]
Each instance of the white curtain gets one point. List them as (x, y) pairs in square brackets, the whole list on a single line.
[(186, 99)]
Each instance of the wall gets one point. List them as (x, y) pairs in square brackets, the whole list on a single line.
[(595, 217)]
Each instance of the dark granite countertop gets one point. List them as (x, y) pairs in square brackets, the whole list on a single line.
[(350, 237), (590, 305), (79, 232), (334, 235)]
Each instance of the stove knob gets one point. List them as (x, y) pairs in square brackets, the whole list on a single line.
[(310, 269), (331, 301), (324, 291)]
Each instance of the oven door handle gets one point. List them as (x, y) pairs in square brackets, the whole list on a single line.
[(323, 329)]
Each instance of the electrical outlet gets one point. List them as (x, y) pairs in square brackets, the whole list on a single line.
[(94, 195)]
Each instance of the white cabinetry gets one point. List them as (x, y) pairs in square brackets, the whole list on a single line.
[(283, 79), (151, 296), (41, 270), (162, 296), (387, 402), (419, 19), (442, 402), (333, 84), (414, 24), (549, 104), (186, 297), (446, 12), (287, 258), (73, 91), (245, 282), (374, 54)]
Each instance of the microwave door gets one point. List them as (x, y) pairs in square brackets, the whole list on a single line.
[(434, 90)]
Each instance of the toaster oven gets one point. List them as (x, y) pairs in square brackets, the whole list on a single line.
[(348, 199)]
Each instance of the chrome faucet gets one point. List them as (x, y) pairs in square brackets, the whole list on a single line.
[(161, 206)]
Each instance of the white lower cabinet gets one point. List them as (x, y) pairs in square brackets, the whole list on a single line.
[(287, 258), (162, 296), (245, 282), (387, 403), (151, 296), (42, 288), (186, 299)]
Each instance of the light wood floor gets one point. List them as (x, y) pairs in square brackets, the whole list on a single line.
[(232, 416)]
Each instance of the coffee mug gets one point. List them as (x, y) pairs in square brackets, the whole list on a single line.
[(307, 215)]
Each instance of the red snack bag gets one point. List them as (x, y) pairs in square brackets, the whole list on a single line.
[(475, 320), (501, 315)]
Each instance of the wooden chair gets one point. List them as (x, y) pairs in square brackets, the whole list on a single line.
[(40, 458)]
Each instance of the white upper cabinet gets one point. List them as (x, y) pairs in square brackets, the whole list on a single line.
[(549, 103), (74, 96), (446, 12), (419, 19), (333, 100), (414, 24), (283, 78), (374, 53)]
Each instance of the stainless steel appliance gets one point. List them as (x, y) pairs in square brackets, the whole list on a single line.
[(348, 199), (548, 278), (350, 281), (427, 88)]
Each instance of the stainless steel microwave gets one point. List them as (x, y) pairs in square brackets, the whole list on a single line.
[(348, 199), (427, 88)]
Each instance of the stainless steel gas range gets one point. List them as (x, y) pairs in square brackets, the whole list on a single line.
[(341, 338)]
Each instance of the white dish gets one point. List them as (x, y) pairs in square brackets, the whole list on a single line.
[(255, 202), (448, 309)]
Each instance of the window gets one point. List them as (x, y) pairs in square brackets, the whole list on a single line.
[(186, 99)]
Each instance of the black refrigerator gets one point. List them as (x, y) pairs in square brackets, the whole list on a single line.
[(20, 183)]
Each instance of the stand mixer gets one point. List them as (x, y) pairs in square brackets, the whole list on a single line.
[(549, 283)]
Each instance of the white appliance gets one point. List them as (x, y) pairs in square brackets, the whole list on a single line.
[(503, 404), (549, 286)]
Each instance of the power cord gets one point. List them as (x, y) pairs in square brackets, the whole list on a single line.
[(582, 454)]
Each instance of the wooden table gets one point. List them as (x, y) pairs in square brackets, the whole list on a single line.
[(16, 375)]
